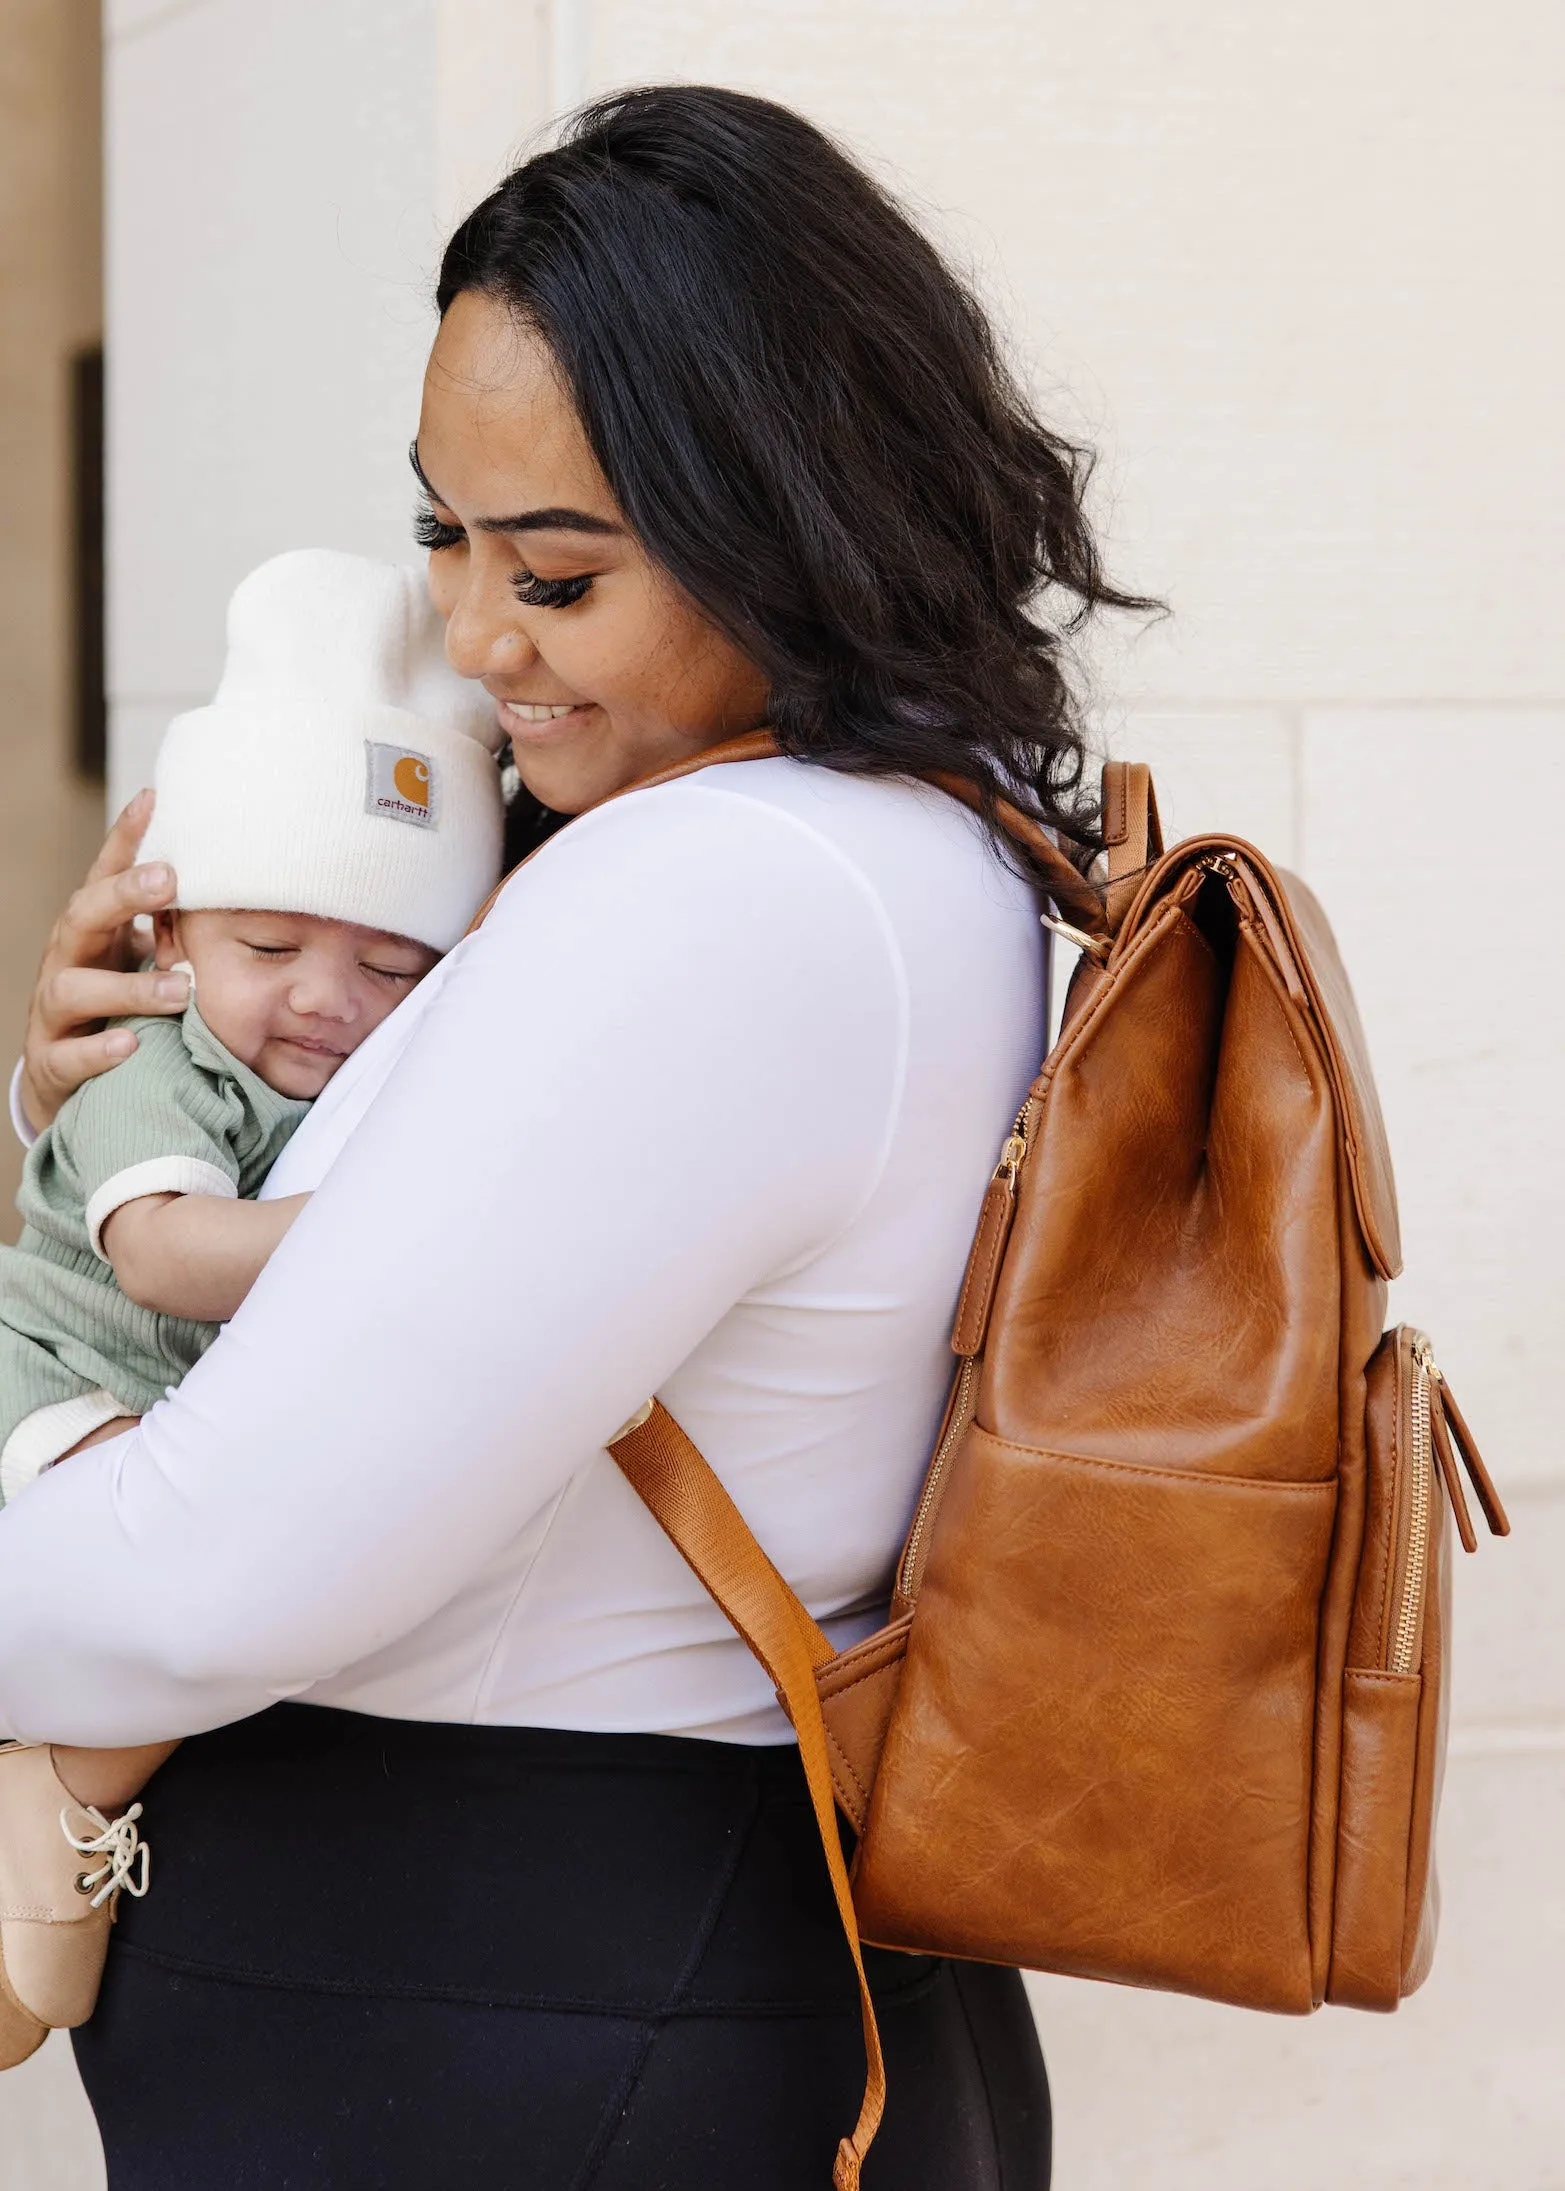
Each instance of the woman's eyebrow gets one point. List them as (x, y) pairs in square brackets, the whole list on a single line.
[(552, 520), (548, 521)]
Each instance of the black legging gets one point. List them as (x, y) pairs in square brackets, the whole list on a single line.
[(382, 1955)]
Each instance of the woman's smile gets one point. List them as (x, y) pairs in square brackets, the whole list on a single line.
[(535, 723), (532, 711)]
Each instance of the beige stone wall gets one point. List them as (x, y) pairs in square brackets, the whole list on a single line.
[(1296, 271), (49, 306)]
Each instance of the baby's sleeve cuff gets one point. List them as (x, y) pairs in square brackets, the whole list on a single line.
[(156, 1175), (26, 1134), (40, 1438)]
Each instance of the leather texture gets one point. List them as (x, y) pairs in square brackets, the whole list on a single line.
[(1041, 1863), (1379, 1757), (1163, 1696), (1397, 1685)]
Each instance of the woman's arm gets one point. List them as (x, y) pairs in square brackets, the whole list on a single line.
[(666, 1070), (194, 1255), (87, 975)]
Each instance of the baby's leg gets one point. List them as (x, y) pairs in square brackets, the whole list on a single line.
[(108, 1779), (114, 1429)]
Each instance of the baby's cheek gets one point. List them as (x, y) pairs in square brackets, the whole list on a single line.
[(375, 1010), (378, 1005), (240, 1021)]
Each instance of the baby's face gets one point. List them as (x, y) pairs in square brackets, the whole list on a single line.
[(291, 996)]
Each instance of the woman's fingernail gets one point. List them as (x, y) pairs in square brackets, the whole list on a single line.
[(156, 880), (171, 988), (120, 1043), (136, 806)]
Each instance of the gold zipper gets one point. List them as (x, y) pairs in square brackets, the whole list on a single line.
[(1420, 1494), (961, 1416), (1013, 1150)]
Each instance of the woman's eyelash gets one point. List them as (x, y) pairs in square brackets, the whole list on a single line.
[(432, 532), (548, 593)]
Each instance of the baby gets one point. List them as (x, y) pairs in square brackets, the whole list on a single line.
[(334, 821)]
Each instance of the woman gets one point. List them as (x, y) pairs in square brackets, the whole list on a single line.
[(522, 1885)]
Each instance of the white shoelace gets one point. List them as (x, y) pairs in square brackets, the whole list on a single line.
[(126, 1857)]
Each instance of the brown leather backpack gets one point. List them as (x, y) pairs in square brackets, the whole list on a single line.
[(1162, 1695)]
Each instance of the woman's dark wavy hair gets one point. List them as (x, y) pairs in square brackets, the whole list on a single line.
[(806, 420)]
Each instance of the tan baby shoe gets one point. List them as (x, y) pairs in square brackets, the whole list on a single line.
[(63, 1867)]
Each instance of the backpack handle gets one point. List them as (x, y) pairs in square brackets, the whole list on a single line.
[(1132, 832)]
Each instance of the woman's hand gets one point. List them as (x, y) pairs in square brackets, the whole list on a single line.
[(88, 976)]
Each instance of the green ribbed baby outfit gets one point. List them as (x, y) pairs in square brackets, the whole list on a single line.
[(181, 1116)]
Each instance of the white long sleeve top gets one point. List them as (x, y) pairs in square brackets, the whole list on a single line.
[(705, 1109)]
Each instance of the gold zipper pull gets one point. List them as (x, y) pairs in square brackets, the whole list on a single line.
[(1272, 929), (1441, 1440), (1014, 1147), (1450, 1429), (994, 1229), (1011, 1155)]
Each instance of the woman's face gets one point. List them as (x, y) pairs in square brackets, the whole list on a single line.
[(601, 669)]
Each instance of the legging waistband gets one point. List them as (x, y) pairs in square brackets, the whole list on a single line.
[(534, 1867)]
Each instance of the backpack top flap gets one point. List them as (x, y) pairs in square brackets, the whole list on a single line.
[(1306, 956)]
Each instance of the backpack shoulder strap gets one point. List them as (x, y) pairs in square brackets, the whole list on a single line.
[(1069, 889), (682, 1492)]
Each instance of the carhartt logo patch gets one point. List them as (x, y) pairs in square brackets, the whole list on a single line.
[(400, 784)]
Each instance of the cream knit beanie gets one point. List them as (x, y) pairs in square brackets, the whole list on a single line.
[(343, 768)]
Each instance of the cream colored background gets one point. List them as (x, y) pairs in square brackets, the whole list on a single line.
[(1296, 270)]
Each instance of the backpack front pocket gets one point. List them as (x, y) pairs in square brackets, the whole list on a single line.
[(1102, 1755)]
